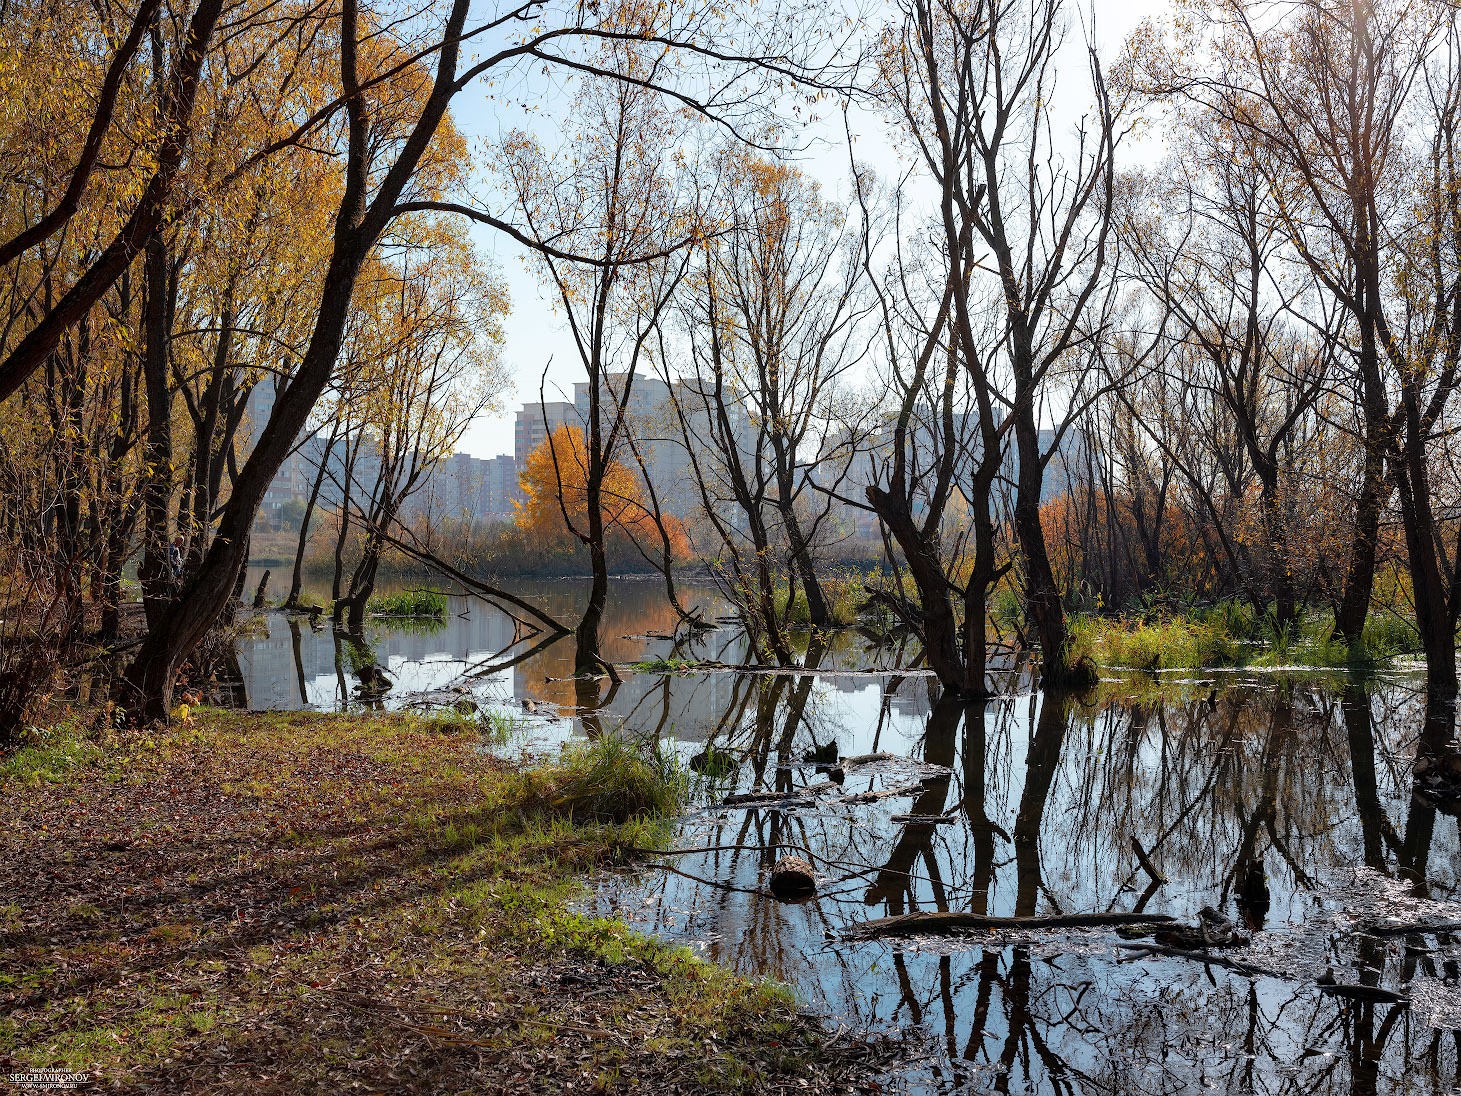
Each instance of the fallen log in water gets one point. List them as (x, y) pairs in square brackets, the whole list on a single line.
[(753, 800), (801, 797), (938, 923), (1207, 958), (1328, 983), (1413, 928), (885, 793), (793, 879)]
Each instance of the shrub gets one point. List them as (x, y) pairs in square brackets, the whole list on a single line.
[(845, 591)]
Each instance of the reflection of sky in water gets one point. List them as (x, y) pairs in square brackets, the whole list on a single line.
[(1044, 806), (1041, 806)]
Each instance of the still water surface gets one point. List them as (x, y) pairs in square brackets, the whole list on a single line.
[(1284, 804)]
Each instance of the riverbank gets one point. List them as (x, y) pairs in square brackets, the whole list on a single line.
[(309, 903)]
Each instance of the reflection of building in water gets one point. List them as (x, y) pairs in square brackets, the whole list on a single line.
[(273, 671), (912, 699)]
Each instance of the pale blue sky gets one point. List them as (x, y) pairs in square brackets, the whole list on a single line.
[(534, 331)]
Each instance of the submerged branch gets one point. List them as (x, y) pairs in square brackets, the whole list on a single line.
[(938, 923)]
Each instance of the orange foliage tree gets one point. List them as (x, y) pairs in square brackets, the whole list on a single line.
[(553, 483)]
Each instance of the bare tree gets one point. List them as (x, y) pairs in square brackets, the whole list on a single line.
[(1321, 92), (774, 327)]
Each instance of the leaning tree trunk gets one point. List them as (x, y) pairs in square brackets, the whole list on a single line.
[(958, 670)]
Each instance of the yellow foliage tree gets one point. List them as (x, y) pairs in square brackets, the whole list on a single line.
[(556, 499)]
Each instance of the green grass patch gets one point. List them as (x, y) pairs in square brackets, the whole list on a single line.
[(427, 604), (610, 779), (845, 591), (48, 754), (1230, 634), (665, 666)]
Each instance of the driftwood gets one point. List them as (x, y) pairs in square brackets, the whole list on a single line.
[(801, 797), (1207, 958), (938, 923), (793, 879), (886, 793), (775, 800), (1327, 983), (869, 759), (1212, 930), (1417, 928), (923, 819)]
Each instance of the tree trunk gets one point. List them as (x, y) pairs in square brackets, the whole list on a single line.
[(801, 552), (1434, 618), (296, 579), (958, 668), (1042, 595), (148, 684), (153, 573), (586, 658), (1359, 579)]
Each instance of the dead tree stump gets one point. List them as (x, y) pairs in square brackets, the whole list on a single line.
[(259, 593)]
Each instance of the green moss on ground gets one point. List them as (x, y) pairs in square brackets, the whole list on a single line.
[(312, 903)]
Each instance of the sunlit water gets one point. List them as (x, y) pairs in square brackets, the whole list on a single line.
[(1017, 806)]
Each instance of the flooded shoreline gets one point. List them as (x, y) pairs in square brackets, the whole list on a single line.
[(1284, 804)]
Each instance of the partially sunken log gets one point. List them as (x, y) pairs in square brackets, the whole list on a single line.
[(935, 923), (802, 797), (792, 880)]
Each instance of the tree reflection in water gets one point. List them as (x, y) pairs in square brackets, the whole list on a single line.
[(1285, 805), (1293, 796)]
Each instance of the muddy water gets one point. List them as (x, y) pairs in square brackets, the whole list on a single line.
[(1285, 805)]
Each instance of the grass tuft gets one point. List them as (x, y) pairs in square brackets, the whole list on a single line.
[(48, 755), (1231, 634), (608, 780), (410, 603)]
